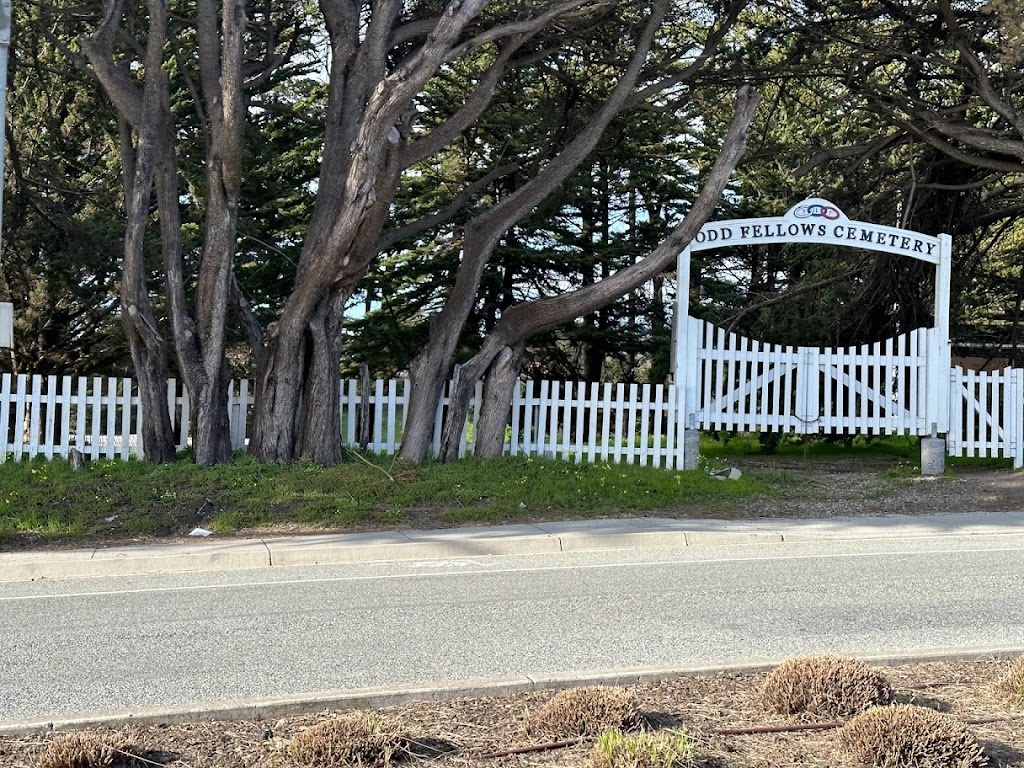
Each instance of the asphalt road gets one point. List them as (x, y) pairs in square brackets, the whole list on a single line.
[(83, 646)]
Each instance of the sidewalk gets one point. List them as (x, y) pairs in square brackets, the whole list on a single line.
[(568, 536)]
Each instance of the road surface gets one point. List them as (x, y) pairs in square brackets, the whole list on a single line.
[(73, 647)]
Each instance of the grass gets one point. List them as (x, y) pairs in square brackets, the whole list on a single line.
[(905, 450), (47, 500), (664, 749)]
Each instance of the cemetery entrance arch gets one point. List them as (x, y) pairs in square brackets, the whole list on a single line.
[(725, 381)]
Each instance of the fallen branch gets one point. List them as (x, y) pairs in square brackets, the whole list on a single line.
[(533, 748), (371, 464)]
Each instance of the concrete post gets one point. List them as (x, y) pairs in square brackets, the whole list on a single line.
[(933, 455), (691, 448)]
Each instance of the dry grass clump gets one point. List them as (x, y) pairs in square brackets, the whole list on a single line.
[(584, 712), (359, 739), (1011, 685), (87, 749), (906, 736), (643, 749), (826, 685)]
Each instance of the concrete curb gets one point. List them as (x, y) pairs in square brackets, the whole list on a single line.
[(565, 536), (366, 698)]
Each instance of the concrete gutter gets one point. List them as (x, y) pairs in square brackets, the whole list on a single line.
[(272, 708), (213, 554)]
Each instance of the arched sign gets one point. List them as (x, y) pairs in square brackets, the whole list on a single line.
[(819, 221)]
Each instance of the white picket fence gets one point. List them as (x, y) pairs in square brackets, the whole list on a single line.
[(101, 417), (986, 414), (635, 423)]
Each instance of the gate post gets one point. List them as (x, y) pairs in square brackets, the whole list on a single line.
[(683, 356), (937, 407)]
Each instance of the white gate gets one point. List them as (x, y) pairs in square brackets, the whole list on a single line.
[(744, 384), (731, 382)]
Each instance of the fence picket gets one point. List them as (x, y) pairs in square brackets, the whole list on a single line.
[(65, 416), (631, 421), (579, 421), (517, 400), (5, 415), (658, 451), (50, 420), (34, 406), (606, 417), (592, 404), (528, 405)]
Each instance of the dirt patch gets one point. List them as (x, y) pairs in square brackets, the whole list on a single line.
[(883, 487), (464, 732)]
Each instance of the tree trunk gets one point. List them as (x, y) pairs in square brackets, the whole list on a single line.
[(149, 356), (148, 349), (502, 377), (427, 376), (298, 387), (320, 430), (464, 381), (211, 428)]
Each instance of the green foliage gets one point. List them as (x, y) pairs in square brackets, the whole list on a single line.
[(662, 749)]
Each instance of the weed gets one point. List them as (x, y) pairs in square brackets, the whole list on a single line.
[(1011, 685), (666, 749)]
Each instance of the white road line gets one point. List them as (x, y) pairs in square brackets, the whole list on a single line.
[(534, 569)]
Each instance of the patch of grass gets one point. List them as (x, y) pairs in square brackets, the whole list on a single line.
[(666, 749), (47, 501), (88, 749), (1011, 685)]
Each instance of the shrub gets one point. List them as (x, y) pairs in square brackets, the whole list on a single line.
[(906, 736), (665, 749), (1011, 684), (826, 685), (360, 739), (88, 750), (585, 712)]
